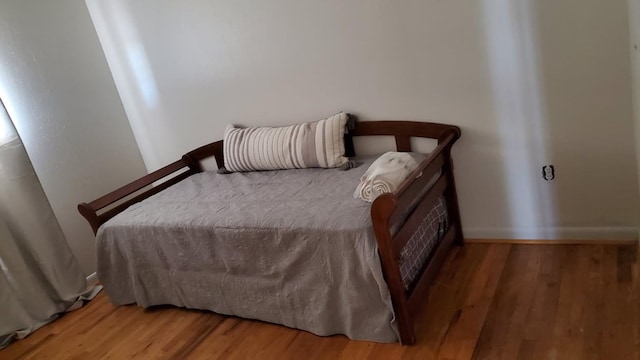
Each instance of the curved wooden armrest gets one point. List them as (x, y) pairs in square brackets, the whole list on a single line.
[(90, 210)]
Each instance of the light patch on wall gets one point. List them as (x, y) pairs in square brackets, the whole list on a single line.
[(634, 27), (521, 115), (142, 71), (7, 130), (131, 69), (135, 57)]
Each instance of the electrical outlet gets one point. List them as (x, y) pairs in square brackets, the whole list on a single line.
[(548, 172)]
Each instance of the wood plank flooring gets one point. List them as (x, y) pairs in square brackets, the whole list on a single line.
[(490, 301)]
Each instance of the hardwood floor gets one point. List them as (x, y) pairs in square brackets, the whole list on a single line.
[(490, 301)]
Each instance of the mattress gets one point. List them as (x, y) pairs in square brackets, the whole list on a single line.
[(291, 247)]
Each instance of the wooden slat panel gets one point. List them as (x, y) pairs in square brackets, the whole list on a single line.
[(403, 128), (214, 149), (421, 211), (419, 293), (415, 187), (442, 151), (403, 143)]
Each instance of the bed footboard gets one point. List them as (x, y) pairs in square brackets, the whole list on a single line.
[(404, 210)]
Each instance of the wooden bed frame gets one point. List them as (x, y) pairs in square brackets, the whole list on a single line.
[(386, 211)]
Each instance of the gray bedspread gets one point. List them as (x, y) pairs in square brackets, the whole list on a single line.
[(291, 247)]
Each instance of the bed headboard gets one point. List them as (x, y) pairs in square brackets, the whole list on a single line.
[(403, 131)]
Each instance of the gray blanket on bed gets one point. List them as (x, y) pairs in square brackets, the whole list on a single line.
[(291, 247)]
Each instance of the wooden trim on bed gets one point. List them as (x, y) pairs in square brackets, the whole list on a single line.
[(214, 149), (419, 294), (400, 129), (402, 210)]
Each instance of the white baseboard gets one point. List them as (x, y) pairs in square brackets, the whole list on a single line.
[(621, 233), (596, 234), (92, 279)]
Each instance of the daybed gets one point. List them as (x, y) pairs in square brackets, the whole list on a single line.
[(290, 246)]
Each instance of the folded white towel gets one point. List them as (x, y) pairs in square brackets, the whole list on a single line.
[(385, 175)]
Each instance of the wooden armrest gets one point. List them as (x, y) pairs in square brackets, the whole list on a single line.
[(90, 210), (191, 160)]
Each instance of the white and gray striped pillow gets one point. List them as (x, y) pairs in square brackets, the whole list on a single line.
[(314, 144)]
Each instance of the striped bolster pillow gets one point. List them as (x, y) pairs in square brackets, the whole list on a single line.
[(314, 144)]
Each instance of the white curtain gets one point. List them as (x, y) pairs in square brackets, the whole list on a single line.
[(39, 276)]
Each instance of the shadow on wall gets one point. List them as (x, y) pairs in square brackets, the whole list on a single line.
[(139, 86), (560, 81), (521, 115)]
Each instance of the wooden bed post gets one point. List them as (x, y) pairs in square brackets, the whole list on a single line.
[(90, 215), (381, 211), (451, 194)]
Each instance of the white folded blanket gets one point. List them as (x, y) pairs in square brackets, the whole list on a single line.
[(384, 175)]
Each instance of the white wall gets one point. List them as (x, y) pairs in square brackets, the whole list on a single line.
[(634, 45), (529, 82), (59, 92)]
